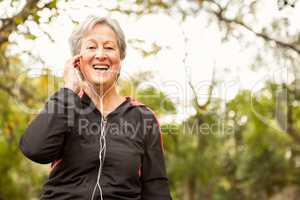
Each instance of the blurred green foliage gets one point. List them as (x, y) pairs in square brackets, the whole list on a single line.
[(247, 148)]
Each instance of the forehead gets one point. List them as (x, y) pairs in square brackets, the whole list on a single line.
[(100, 32)]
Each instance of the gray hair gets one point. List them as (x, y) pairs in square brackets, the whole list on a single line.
[(79, 32)]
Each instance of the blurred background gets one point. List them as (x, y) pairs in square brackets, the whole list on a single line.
[(222, 75)]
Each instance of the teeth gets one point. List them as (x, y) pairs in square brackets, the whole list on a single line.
[(101, 67)]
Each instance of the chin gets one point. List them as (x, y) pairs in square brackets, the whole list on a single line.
[(98, 80), (99, 83), (103, 83)]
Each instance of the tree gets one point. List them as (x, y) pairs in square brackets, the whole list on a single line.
[(10, 65), (255, 153)]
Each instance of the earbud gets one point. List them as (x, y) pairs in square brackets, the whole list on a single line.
[(118, 75)]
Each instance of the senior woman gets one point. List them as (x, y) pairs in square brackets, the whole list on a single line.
[(101, 145)]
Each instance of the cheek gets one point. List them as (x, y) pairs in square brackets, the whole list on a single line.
[(116, 59), (87, 57)]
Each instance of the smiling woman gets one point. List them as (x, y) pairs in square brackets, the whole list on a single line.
[(100, 56), (76, 131)]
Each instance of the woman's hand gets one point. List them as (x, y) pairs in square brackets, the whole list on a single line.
[(71, 79)]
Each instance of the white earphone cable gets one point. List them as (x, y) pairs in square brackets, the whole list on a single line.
[(102, 139)]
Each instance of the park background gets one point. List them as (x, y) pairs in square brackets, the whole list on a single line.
[(222, 75)]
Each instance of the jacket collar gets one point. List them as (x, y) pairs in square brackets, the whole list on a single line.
[(128, 103)]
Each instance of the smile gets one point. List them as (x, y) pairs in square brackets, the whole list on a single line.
[(101, 67)]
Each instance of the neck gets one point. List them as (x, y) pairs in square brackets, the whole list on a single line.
[(110, 100)]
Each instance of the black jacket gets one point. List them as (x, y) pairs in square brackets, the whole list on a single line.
[(66, 134)]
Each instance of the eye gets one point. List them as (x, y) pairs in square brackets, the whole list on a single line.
[(109, 47), (91, 47)]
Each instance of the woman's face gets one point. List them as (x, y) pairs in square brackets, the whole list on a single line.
[(100, 62)]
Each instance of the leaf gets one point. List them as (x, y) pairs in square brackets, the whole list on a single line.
[(52, 4), (18, 20), (36, 17), (30, 37)]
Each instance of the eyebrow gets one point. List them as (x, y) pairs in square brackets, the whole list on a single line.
[(111, 42), (94, 40)]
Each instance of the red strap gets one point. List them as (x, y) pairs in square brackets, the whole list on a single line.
[(137, 103), (55, 163), (81, 93), (139, 172)]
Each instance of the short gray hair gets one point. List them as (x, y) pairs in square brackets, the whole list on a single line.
[(79, 32)]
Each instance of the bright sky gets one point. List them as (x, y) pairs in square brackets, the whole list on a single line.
[(204, 49)]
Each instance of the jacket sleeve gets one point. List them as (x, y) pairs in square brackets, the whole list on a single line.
[(44, 137), (154, 179)]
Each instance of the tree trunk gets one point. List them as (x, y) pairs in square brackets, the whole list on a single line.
[(189, 191)]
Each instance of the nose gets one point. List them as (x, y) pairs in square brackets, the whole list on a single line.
[(100, 54)]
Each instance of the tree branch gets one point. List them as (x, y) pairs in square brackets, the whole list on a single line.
[(10, 24), (202, 108), (220, 16)]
